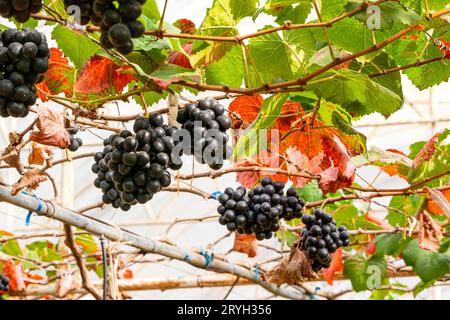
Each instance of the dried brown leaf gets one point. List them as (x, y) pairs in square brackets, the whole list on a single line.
[(30, 180), (292, 269), (245, 243), (51, 129), (65, 285), (36, 155), (430, 232)]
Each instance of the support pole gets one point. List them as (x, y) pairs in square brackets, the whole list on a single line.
[(114, 233)]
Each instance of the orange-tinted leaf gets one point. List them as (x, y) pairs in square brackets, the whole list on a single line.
[(335, 266), (185, 26), (264, 159), (51, 129), (101, 75), (245, 243), (15, 274), (434, 208), (125, 274), (30, 180), (59, 77), (36, 155), (245, 109), (426, 152), (180, 59)]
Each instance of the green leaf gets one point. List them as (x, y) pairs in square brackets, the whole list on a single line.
[(227, 71), (77, 47), (350, 216), (365, 274), (428, 265), (310, 192), (438, 164), (277, 58), (350, 35), (356, 93), (255, 139), (150, 9), (383, 61), (390, 244), (390, 13), (331, 8), (402, 207), (294, 14), (87, 242), (12, 247)]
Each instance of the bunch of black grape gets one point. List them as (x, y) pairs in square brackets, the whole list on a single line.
[(132, 168), (24, 58), (321, 237), (207, 124), (21, 10), (75, 142), (4, 283), (260, 210), (117, 20)]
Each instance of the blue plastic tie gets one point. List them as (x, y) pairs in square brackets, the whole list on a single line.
[(208, 258), (187, 257), (215, 195), (312, 296), (257, 273), (30, 213)]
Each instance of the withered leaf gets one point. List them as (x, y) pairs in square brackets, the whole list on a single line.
[(245, 243), (293, 269), (51, 129), (30, 180), (36, 155), (430, 232)]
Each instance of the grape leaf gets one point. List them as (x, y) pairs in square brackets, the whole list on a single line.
[(428, 265), (365, 274), (77, 47), (227, 71), (356, 93), (150, 10), (60, 76), (277, 58), (101, 76)]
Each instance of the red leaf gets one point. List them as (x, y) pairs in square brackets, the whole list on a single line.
[(445, 49), (180, 59), (15, 275), (101, 75), (59, 77), (335, 266), (426, 152), (371, 248), (185, 26), (245, 243), (51, 129)]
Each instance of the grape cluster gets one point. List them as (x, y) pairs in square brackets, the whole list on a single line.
[(207, 124), (321, 237), (75, 142), (117, 20), (133, 167), (4, 283), (260, 210), (21, 10), (24, 58)]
